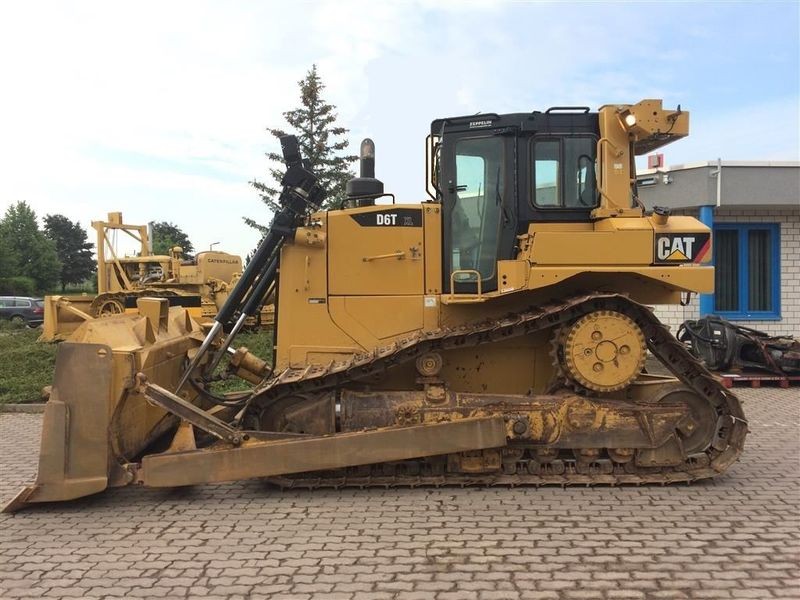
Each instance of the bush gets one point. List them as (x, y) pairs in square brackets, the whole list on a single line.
[(9, 325), (257, 342), (25, 365), (17, 286)]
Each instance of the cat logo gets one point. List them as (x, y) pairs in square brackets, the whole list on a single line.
[(682, 247)]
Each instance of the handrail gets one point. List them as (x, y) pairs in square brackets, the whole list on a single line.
[(552, 109), (351, 198), (400, 255), (477, 274)]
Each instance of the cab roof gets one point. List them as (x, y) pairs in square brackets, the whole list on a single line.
[(558, 119)]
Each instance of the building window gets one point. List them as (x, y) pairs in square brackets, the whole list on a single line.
[(747, 271)]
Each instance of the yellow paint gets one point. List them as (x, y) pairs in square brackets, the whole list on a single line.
[(374, 261)]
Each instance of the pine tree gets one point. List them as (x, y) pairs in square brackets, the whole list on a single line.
[(73, 248), (321, 142), (36, 255)]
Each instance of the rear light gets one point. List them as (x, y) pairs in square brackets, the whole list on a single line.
[(38, 311)]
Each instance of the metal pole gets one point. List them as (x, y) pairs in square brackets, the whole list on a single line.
[(215, 329), (707, 219)]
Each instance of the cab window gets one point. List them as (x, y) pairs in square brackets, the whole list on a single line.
[(564, 172), (546, 173), (475, 219)]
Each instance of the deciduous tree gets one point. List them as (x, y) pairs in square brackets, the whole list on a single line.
[(35, 254), (73, 248), (8, 258), (168, 235)]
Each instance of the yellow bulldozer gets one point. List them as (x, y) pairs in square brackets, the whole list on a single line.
[(495, 334), (200, 285)]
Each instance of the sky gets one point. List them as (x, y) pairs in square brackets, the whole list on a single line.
[(160, 109)]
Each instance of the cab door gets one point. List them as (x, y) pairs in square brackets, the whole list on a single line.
[(480, 196)]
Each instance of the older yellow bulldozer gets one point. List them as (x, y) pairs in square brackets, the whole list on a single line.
[(495, 334), (199, 284)]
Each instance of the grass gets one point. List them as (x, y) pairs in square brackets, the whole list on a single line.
[(257, 342), (25, 366)]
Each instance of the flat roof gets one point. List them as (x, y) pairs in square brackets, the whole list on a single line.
[(725, 163), (760, 183)]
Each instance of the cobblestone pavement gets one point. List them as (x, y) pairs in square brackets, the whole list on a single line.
[(735, 537)]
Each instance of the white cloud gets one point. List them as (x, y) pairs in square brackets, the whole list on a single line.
[(759, 131), (159, 109)]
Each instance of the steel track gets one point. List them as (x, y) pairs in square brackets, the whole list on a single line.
[(142, 293), (730, 430)]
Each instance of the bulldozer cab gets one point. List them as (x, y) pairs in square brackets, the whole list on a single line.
[(495, 174)]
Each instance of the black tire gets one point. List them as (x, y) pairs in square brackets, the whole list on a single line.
[(18, 320)]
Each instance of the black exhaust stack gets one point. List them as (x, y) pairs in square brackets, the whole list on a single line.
[(363, 190)]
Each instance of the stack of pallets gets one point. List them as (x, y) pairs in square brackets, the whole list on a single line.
[(756, 379)]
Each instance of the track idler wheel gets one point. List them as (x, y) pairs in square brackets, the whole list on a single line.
[(697, 429), (603, 351), (109, 307)]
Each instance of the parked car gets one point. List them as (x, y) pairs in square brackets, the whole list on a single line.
[(22, 310)]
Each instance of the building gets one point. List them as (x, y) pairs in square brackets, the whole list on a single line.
[(753, 209)]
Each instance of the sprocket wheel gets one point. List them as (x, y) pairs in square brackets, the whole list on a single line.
[(603, 351)]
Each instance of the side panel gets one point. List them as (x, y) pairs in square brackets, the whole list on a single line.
[(376, 251), (593, 248), (613, 246), (305, 331), (373, 319), (609, 242)]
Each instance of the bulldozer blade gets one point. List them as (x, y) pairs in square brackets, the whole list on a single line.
[(73, 460)]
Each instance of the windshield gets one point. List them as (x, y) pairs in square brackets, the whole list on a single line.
[(475, 219)]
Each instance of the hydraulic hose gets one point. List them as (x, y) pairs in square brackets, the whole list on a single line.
[(219, 400)]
